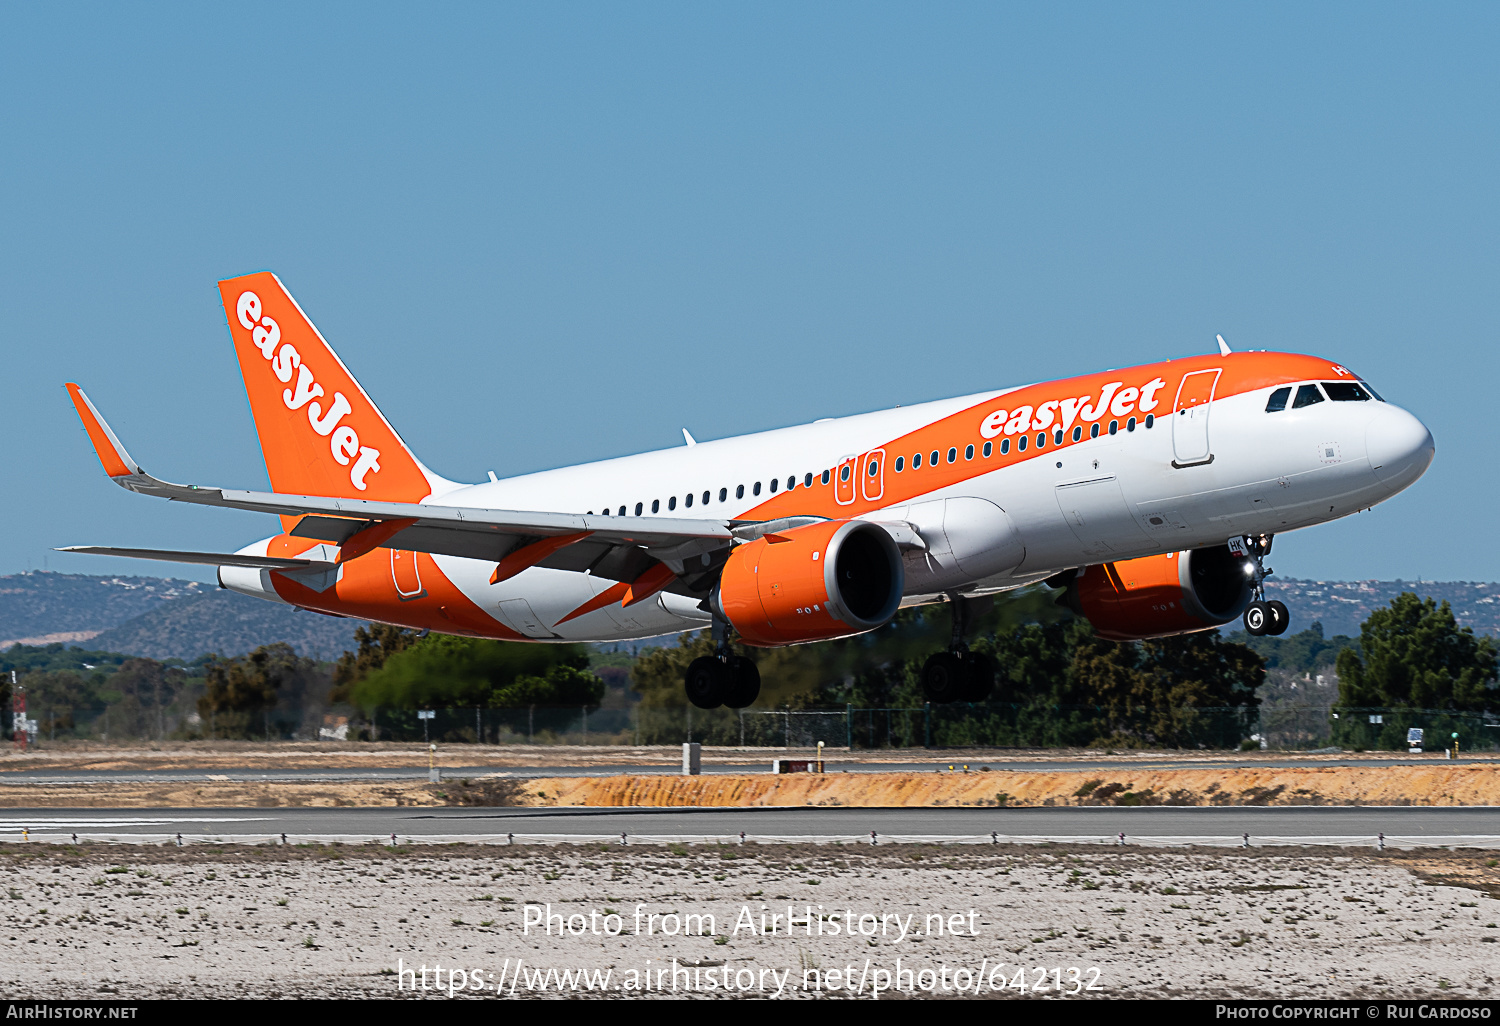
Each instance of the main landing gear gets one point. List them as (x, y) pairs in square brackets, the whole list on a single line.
[(722, 678), (959, 675), (1262, 617)]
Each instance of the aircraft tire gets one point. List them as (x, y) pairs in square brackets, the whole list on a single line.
[(943, 678), (1281, 617), (707, 682), (744, 687), (979, 677), (1258, 618)]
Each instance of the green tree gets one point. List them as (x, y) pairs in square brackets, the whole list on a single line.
[(1415, 656), (375, 644), (143, 690), (240, 693), (1306, 651), (446, 671)]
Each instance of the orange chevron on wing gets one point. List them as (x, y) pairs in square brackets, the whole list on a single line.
[(530, 555), (648, 584), (609, 596), (372, 537)]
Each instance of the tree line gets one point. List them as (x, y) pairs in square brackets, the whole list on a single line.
[(1058, 685)]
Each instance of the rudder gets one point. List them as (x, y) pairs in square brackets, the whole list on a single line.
[(319, 432)]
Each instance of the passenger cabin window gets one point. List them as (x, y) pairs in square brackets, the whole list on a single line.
[(1278, 399), (1307, 395), (1346, 392)]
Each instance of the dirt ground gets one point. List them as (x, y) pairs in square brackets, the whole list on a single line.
[(309, 922), (1221, 785)]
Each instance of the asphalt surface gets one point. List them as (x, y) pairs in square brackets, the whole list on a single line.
[(356, 774), (1359, 825)]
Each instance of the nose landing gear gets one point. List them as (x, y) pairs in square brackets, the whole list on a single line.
[(959, 675), (1262, 617)]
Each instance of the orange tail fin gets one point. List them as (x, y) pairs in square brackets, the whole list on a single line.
[(319, 432)]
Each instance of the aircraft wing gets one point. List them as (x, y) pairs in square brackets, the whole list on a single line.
[(206, 558), (620, 548)]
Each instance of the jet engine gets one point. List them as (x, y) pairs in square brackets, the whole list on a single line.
[(1158, 596), (810, 583)]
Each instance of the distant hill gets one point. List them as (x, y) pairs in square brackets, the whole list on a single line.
[(1343, 605), (159, 617), (39, 607), (229, 624)]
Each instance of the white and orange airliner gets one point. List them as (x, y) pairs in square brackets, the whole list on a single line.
[(1150, 494)]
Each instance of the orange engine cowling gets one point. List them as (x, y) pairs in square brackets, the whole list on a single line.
[(824, 580), (1158, 596)]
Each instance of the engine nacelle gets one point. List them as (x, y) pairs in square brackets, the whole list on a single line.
[(1158, 596), (824, 580)]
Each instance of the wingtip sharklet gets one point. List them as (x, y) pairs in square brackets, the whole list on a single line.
[(112, 455)]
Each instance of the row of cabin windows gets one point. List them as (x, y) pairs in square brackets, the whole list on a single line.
[(707, 496), (1307, 395), (933, 459)]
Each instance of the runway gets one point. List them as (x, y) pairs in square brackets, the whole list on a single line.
[(1402, 826)]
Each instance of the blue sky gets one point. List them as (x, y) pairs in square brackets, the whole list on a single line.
[(545, 234)]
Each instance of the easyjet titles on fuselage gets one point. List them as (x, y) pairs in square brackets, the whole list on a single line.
[(1113, 399)]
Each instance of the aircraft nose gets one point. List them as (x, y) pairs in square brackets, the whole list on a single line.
[(1399, 446)]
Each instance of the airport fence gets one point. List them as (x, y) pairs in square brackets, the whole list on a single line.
[(1007, 725)]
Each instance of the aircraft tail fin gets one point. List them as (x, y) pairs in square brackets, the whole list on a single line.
[(319, 432)]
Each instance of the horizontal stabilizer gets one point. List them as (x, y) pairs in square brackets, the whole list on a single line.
[(207, 558)]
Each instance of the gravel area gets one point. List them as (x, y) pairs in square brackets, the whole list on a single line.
[(128, 922)]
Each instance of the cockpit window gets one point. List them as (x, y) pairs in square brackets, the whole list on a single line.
[(1346, 392), (1278, 399), (1306, 396)]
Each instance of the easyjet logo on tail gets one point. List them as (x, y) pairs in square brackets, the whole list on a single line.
[(286, 363)]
